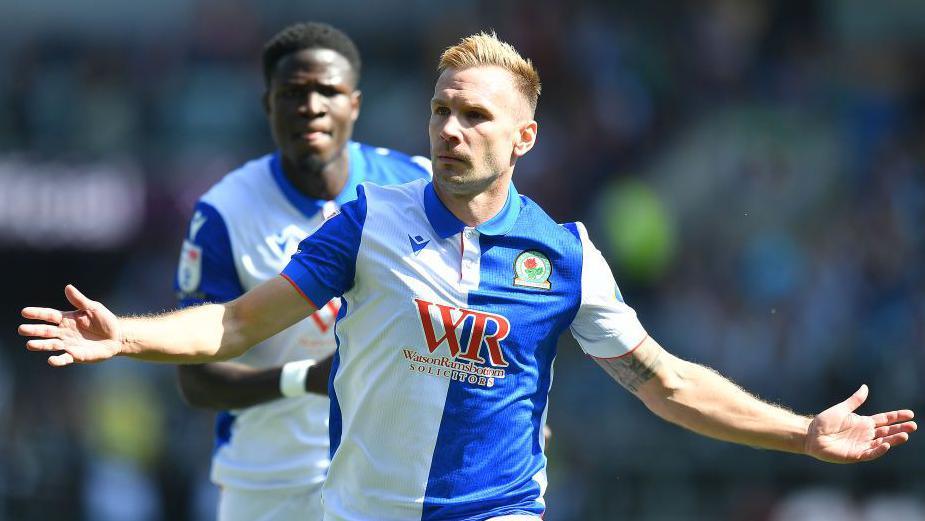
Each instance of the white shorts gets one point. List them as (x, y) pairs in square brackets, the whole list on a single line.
[(270, 505)]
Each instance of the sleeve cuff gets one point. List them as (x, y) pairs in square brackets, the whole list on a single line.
[(613, 346), (306, 283)]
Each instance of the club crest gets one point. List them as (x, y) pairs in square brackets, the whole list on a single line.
[(189, 273), (532, 270)]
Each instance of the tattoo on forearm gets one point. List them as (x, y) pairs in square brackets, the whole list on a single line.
[(633, 370)]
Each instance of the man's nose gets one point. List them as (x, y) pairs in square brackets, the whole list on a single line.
[(449, 131), (315, 104)]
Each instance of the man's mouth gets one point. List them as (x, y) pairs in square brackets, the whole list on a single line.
[(313, 135), (451, 158)]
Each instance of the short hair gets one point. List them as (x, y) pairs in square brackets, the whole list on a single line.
[(309, 35), (486, 49)]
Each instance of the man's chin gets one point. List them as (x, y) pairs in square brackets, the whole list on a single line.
[(452, 171), (320, 150), (457, 183), (449, 178), (311, 160), (301, 164)]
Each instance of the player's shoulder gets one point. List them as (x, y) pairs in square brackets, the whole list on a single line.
[(387, 166), (542, 223), (577, 230), (394, 194), (240, 187)]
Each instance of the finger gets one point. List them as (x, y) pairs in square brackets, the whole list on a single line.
[(855, 400), (60, 360), (893, 429), (896, 439), (76, 298), (39, 330), (45, 345), (887, 418), (875, 452), (880, 446), (46, 314)]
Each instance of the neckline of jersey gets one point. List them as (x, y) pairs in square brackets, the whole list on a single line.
[(446, 224), (309, 206)]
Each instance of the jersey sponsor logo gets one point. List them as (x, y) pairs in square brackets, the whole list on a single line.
[(455, 322), (325, 317), (189, 272), (417, 243), (532, 270), (316, 336), (451, 369)]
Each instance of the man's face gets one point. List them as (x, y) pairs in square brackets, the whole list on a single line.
[(311, 104), (478, 126)]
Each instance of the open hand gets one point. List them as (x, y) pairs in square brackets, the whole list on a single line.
[(838, 435), (88, 334)]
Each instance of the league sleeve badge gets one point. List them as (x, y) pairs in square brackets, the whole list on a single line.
[(189, 272)]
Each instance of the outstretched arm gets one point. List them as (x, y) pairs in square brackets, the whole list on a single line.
[(230, 385), (700, 399), (92, 333)]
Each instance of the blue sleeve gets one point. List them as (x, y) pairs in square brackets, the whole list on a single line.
[(387, 167), (206, 271), (324, 266), (420, 168), (397, 168)]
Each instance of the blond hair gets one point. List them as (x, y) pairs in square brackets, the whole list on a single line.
[(486, 49)]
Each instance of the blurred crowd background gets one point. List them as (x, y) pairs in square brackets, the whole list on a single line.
[(752, 170)]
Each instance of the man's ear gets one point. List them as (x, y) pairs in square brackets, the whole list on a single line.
[(356, 99), (526, 138)]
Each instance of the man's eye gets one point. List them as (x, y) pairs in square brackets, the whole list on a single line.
[(442, 111)]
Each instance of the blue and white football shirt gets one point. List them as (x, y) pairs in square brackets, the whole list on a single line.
[(244, 231), (447, 338)]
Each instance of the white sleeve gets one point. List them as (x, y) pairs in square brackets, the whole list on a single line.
[(605, 327)]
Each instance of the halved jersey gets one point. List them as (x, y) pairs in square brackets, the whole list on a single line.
[(447, 339), (244, 231)]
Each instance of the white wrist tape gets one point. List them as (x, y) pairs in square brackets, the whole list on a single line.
[(292, 378)]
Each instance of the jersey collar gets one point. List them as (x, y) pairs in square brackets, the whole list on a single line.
[(309, 206), (446, 224)]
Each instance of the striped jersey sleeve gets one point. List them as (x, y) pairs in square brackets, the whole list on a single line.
[(605, 326), (324, 266), (206, 270)]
